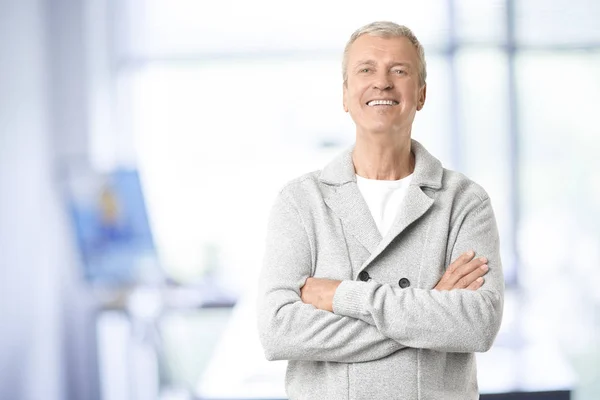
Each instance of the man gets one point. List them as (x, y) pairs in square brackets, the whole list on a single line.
[(371, 287)]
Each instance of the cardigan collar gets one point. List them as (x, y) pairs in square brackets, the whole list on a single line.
[(428, 169)]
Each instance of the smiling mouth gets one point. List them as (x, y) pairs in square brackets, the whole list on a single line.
[(374, 103)]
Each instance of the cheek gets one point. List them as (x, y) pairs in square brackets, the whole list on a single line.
[(354, 91), (357, 98), (350, 101)]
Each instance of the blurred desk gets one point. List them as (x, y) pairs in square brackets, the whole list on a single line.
[(129, 327)]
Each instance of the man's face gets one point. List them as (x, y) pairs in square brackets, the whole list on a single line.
[(382, 93)]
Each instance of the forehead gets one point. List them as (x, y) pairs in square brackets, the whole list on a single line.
[(375, 48)]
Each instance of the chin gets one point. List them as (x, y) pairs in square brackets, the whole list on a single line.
[(383, 129), (380, 129)]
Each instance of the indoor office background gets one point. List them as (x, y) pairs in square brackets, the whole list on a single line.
[(200, 111)]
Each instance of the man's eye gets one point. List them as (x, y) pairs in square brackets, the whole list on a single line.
[(364, 70), (399, 71)]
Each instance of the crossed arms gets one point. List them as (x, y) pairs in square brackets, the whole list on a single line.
[(303, 318)]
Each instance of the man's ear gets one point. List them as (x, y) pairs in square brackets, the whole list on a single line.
[(344, 96), (422, 97)]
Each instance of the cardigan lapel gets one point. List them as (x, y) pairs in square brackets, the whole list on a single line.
[(415, 204), (428, 173), (346, 201), (348, 204)]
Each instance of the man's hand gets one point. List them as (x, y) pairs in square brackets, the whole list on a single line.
[(319, 292), (465, 272)]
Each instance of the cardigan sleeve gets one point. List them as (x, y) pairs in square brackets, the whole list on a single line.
[(452, 321), (292, 330)]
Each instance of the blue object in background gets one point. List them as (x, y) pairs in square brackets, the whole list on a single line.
[(112, 228)]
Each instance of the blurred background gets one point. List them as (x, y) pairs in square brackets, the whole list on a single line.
[(142, 143)]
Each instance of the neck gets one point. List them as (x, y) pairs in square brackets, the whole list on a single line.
[(383, 157)]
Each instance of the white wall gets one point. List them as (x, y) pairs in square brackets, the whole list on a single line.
[(45, 316), (29, 246)]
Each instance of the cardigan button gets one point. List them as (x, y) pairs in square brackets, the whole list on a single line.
[(404, 283), (364, 276)]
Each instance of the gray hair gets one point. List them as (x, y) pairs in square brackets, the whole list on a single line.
[(387, 29)]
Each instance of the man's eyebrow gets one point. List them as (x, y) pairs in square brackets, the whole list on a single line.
[(364, 62), (392, 64), (401, 63)]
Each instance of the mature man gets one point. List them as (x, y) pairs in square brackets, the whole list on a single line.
[(371, 287)]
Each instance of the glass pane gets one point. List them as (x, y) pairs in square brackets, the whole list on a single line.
[(163, 28), (558, 22), (485, 135), (481, 21), (432, 126), (208, 134), (559, 97)]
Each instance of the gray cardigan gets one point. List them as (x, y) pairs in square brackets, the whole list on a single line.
[(382, 341)]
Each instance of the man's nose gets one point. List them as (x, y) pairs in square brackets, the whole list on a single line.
[(383, 81)]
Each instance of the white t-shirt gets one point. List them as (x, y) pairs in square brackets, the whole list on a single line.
[(384, 199)]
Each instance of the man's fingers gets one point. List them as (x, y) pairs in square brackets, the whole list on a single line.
[(471, 277), (476, 284), (461, 260), (459, 274), (464, 272), (471, 266)]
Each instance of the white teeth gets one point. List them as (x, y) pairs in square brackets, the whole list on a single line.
[(382, 103)]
